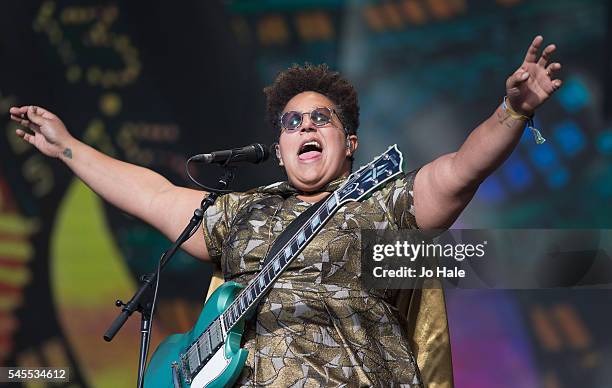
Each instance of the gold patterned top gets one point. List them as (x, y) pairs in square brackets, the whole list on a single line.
[(318, 325)]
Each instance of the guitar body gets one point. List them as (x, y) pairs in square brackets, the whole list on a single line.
[(225, 365)]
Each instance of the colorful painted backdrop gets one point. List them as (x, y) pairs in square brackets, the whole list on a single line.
[(155, 82)]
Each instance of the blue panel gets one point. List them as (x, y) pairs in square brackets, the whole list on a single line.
[(570, 138), (574, 95), (527, 137), (557, 178), (604, 142), (517, 173), (491, 190), (544, 157)]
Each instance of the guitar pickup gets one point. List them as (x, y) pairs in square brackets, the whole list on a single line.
[(204, 347), (216, 337)]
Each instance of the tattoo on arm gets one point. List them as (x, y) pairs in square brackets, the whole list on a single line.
[(504, 118), (67, 153)]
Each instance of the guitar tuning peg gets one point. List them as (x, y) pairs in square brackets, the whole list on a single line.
[(119, 303)]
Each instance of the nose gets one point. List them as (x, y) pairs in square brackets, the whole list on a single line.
[(306, 125)]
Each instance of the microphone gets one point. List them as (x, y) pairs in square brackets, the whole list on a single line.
[(254, 153)]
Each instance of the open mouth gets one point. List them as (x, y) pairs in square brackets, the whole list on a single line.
[(310, 150)]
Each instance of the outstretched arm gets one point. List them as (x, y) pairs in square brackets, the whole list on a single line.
[(138, 191), (445, 186)]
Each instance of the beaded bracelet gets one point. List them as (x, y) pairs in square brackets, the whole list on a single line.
[(537, 136)]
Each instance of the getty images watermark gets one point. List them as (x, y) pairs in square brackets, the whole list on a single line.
[(502, 258), (422, 251)]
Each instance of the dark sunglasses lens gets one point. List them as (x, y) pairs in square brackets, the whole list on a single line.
[(291, 120), (320, 116)]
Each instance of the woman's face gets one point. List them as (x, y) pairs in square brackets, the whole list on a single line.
[(309, 166)]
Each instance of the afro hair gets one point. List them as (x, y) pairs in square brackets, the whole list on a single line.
[(315, 78)]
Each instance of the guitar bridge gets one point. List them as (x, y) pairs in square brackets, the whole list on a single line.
[(185, 368)]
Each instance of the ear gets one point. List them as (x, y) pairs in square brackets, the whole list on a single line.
[(351, 145), (278, 154)]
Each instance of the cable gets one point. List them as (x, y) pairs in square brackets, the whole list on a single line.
[(201, 185)]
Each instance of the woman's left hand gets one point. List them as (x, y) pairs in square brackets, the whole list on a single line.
[(533, 83)]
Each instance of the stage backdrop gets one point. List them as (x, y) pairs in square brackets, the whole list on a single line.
[(154, 83)]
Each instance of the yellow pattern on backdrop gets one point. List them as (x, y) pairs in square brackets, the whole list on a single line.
[(87, 274)]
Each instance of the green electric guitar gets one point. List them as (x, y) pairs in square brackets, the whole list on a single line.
[(210, 354)]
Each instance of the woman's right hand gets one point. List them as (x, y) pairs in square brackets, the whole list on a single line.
[(49, 136)]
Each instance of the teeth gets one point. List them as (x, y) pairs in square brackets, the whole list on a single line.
[(313, 142), (310, 143)]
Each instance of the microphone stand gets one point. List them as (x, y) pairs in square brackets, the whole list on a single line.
[(144, 299)]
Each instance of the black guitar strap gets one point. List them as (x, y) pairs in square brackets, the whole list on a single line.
[(284, 237), (291, 229)]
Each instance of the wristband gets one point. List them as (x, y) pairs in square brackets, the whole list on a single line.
[(537, 136)]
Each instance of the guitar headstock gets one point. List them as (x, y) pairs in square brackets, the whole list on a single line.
[(371, 176)]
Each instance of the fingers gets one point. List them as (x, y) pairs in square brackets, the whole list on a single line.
[(35, 114), (515, 80), (32, 113), (18, 110), (44, 113), (532, 52), (550, 72), (18, 114), (546, 54), (23, 121), (21, 133), (25, 136), (552, 69)]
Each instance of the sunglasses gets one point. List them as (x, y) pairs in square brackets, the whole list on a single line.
[(290, 121)]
